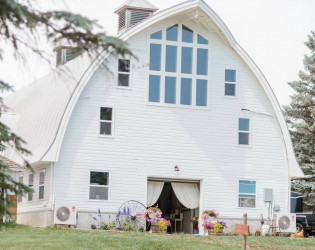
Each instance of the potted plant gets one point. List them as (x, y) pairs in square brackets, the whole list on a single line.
[(153, 215), (194, 220)]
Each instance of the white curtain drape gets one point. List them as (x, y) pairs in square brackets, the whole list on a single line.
[(187, 193), (154, 192)]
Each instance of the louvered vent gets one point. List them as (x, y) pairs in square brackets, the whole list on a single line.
[(137, 16), (122, 20), (68, 55), (58, 57)]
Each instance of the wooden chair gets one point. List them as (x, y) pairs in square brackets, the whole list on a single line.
[(180, 219)]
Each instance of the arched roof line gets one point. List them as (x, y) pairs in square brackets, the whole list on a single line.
[(294, 169)]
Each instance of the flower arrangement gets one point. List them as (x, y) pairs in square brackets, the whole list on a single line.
[(210, 223), (210, 213), (152, 213), (257, 232), (163, 224), (194, 220), (207, 226)]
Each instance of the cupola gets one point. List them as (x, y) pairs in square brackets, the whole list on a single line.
[(65, 53), (132, 12)]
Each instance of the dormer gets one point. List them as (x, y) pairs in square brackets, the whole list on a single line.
[(132, 12), (65, 53)]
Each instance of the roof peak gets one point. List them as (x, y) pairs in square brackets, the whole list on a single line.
[(137, 4)]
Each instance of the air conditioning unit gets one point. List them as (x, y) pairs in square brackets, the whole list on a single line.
[(65, 214), (286, 223)]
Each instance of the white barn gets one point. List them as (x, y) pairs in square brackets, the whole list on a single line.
[(193, 109)]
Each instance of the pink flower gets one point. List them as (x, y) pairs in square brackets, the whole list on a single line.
[(158, 214), (205, 216), (217, 214)]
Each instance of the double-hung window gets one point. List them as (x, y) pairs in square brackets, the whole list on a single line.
[(30, 185), (123, 73), (19, 198), (99, 185), (246, 193), (230, 82), (41, 185), (106, 121), (243, 131)]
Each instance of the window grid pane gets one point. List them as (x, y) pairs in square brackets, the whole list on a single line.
[(187, 54), (156, 35), (201, 93), (154, 88), (98, 193), (171, 58), (105, 128), (123, 80), (170, 89), (187, 35), (229, 89), (99, 178), (202, 40), (155, 56), (172, 33), (185, 92), (202, 61), (106, 114), (243, 124), (230, 75), (123, 65), (247, 193), (243, 138)]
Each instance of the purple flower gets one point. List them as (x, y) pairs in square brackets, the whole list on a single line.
[(94, 218), (99, 212), (124, 210), (109, 217), (128, 210)]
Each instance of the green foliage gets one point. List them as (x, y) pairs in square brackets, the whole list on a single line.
[(107, 226), (20, 25), (300, 116)]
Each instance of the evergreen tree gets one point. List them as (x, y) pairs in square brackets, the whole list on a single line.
[(300, 115), (21, 25)]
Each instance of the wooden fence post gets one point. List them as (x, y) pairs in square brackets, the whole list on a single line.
[(244, 236)]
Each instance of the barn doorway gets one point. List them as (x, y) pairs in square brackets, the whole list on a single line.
[(178, 200)]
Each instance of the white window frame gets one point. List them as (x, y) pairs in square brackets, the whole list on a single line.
[(178, 73), (31, 187), (242, 131), (238, 193), (41, 185), (227, 82), (108, 186), (20, 176), (106, 121), (124, 73)]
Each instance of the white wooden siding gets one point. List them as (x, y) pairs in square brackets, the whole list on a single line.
[(37, 204), (150, 140)]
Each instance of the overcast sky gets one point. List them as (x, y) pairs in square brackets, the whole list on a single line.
[(272, 32)]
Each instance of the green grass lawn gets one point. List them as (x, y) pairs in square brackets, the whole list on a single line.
[(24, 237)]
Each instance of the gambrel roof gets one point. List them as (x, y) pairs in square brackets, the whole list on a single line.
[(45, 106)]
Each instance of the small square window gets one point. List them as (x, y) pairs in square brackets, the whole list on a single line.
[(106, 121), (99, 185), (247, 193), (243, 131), (123, 72)]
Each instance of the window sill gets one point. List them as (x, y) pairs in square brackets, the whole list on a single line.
[(106, 136), (98, 200), (244, 146), (250, 208), (166, 105), (230, 96), (124, 87)]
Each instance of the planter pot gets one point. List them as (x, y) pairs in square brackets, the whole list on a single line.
[(211, 231), (169, 230), (196, 231)]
